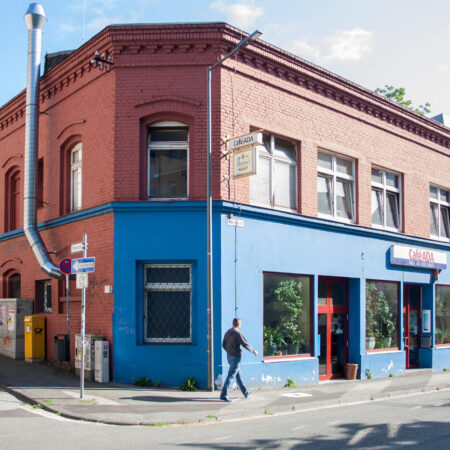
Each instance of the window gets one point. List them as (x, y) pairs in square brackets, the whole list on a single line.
[(335, 187), (439, 213), (382, 306), (168, 303), (168, 145), (76, 157), (287, 314), (13, 199), (11, 284), (275, 184), (442, 315), (44, 295), (385, 200)]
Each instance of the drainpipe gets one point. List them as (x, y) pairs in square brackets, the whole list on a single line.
[(35, 19)]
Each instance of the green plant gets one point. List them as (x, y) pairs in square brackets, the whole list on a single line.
[(369, 374), (37, 406), (143, 381), (445, 369), (190, 384), (290, 383), (372, 397), (49, 402), (158, 384), (211, 416), (380, 321), (289, 306), (268, 413), (391, 375)]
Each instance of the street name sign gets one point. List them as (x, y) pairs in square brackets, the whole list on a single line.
[(83, 265), (247, 140)]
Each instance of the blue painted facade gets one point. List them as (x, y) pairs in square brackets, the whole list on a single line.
[(269, 241)]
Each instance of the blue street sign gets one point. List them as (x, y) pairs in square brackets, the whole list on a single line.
[(65, 266), (83, 265)]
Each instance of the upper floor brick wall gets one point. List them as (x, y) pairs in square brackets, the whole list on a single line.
[(159, 74)]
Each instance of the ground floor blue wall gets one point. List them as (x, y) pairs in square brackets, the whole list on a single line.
[(268, 241)]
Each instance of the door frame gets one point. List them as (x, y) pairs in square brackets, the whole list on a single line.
[(406, 331), (328, 310)]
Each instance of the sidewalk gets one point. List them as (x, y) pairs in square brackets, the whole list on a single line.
[(58, 391)]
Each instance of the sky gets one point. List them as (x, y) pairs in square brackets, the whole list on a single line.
[(404, 43)]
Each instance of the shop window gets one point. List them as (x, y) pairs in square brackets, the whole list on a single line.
[(287, 314), (385, 200), (442, 315), (275, 184), (168, 303), (439, 213), (44, 296), (335, 187), (76, 157), (382, 317), (13, 200), (168, 148)]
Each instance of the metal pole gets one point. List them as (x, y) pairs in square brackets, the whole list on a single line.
[(210, 315), (209, 251), (83, 323), (67, 310)]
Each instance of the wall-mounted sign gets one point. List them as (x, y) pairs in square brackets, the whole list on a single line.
[(248, 140), (418, 257), (426, 321), (245, 162)]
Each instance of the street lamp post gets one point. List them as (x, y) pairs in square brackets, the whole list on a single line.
[(209, 252)]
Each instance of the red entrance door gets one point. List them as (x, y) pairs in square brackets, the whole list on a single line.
[(411, 324), (333, 327)]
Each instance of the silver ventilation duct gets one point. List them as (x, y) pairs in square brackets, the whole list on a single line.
[(35, 19)]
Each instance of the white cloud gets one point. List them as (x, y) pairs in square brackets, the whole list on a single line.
[(101, 22), (302, 48), (67, 28), (350, 45), (347, 45), (241, 14)]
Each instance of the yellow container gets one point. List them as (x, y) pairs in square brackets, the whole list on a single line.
[(34, 338)]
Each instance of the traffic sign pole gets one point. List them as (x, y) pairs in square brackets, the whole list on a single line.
[(83, 324)]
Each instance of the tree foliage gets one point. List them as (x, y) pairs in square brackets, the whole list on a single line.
[(398, 95)]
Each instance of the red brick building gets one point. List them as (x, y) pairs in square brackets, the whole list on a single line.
[(363, 172)]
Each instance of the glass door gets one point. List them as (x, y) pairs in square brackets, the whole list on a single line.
[(411, 324), (332, 327)]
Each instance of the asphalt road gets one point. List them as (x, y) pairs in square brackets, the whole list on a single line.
[(420, 421)]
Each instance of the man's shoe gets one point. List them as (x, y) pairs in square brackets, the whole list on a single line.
[(226, 399), (248, 393)]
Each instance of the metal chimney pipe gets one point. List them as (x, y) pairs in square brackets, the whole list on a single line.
[(35, 19)]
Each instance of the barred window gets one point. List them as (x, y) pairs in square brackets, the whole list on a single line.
[(168, 303), (44, 295)]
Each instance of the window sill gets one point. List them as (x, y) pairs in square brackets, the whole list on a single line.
[(439, 238), (335, 219), (383, 350), (393, 230), (443, 345), (169, 199), (284, 358)]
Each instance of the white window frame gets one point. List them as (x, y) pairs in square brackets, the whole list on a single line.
[(268, 154), (76, 167), (171, 287), (439, 203), (333, 175), (385, 189), (169, 145)]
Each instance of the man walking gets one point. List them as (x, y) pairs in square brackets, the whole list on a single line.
[(232, 342)]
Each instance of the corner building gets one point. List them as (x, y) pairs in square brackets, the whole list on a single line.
[(334, 252)]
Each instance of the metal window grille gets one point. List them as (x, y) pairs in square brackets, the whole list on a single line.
[(168, 303), (44, 294)]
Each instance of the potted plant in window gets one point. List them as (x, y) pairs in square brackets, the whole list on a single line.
[(270, 346), (289, 305)]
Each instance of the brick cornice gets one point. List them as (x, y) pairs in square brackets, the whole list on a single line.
[(122, 40)]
